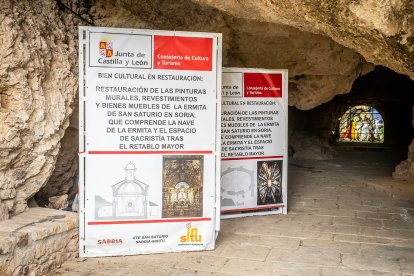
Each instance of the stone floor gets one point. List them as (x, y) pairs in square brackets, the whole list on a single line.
[(346, 217)]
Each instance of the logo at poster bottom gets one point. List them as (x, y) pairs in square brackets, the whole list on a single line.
[(109, 242), (192, 235)]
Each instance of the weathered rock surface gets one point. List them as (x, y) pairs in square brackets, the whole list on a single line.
[(381, 31), (63, 180), (319, 68), (37, 241), (4, 212), (405, 170), (38, 83), (309, 147), (58, 202)]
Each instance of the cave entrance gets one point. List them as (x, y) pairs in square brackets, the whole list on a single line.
[(373, 123)]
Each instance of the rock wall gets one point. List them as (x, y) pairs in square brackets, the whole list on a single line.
[(310, 147), (63, 180), (38, 84), (405, 170), (319, 68), (381, 31)]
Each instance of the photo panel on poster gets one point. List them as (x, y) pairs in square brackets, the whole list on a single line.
[(269, 182), (238, 185), (125, 190), (183, 186)]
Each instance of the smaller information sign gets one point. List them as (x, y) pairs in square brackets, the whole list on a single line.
[(253, 142)]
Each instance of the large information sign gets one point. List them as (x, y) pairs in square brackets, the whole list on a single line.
[(254, 142), (149, 141)]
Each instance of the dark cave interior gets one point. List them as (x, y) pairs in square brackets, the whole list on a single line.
[(383, 89)]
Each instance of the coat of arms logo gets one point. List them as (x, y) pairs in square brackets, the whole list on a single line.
[(106, 47)]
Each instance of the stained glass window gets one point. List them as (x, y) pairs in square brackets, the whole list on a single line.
[(362, 124)]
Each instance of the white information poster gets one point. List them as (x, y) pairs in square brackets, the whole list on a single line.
[(254, 142), (149, 141)]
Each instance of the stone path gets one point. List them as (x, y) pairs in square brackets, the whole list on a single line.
[(339, 223)]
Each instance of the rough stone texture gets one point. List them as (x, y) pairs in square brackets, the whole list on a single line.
[(58, 202), (310, 147), (4, 212), (319, 68), (337, 224), (37, 241), (63, 180), (381, 31), (38, 83), (405, 170)]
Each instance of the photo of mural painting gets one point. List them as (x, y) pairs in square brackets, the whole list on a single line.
[(363, 124), (182, 186), (269, 182)]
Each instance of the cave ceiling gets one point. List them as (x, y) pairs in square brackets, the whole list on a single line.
[(325, 45)]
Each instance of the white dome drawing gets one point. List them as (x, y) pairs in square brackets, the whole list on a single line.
[(130, 195)]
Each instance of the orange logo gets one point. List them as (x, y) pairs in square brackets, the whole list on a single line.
[(105, 47), (192, 235)]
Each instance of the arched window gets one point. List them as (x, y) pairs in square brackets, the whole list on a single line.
[(362, 124)]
